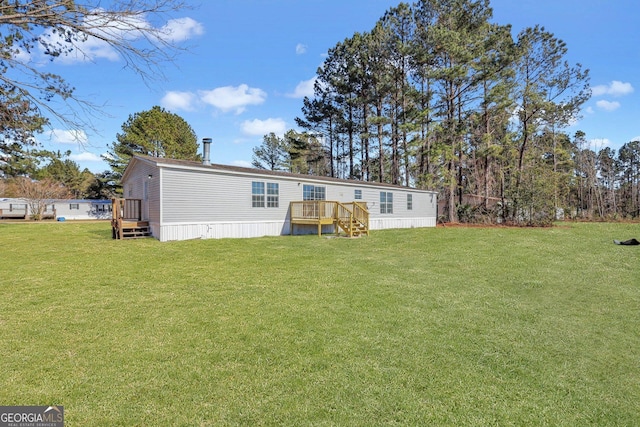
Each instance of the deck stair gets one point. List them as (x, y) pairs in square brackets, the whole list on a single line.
[(353, 228), (134, 229), (350, 218)]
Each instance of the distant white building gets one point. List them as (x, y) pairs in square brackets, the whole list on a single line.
[(59, 208), (191, 200), (83, 209)]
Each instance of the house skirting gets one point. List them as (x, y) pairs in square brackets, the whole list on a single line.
[(221, 230), (218, 230), (384, 223)]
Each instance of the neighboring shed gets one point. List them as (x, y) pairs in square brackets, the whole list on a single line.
[(191, 200)]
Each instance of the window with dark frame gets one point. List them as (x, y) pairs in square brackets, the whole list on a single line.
[(101, 208), (357, 195), (73, 206), (409, 202)]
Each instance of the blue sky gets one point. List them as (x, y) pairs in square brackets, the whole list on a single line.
[(250, 63)]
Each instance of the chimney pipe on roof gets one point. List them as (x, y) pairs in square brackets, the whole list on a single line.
[(206, 151)]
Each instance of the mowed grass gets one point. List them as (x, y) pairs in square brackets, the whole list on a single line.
[(438, 326)]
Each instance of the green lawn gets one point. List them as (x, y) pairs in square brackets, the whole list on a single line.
[(446, 326)]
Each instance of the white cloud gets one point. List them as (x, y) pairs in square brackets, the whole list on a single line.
[(264, 127), (229, 98), (608, 105), (182, 29), (124, 29), (79, 51), (88, 48), (62, 136), (615, 88), (304, 88), (301, 49), (85, 157), (22, 55), (174, 100)]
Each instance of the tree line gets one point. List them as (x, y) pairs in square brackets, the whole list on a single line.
[(438, 96)]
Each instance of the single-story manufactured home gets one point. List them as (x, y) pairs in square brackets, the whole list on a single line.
[(179, 200), (12, 208)]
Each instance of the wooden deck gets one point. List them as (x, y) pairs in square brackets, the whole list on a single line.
[(126, 220), (352, 218)]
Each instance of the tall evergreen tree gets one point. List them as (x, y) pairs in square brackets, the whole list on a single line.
[(545, 83), (271, 154), (156, 133)]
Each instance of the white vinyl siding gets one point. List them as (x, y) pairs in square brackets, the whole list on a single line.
[(195, 196), (191, 196), (144, 183)]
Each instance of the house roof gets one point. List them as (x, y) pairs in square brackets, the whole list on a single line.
[(195, 165)]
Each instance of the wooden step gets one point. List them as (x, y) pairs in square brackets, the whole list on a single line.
[(136, 232), (132, 229)]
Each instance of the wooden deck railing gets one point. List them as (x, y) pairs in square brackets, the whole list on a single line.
[(312, 210), (127, 209), (126, 219), (352, 218)]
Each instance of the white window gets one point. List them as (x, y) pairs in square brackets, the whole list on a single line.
[(386, 202), (312, 192), (257, 194), (261, 198), (273, 195)]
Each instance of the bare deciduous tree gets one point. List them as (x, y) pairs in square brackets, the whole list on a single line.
[(137, 31), (39, 194)]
